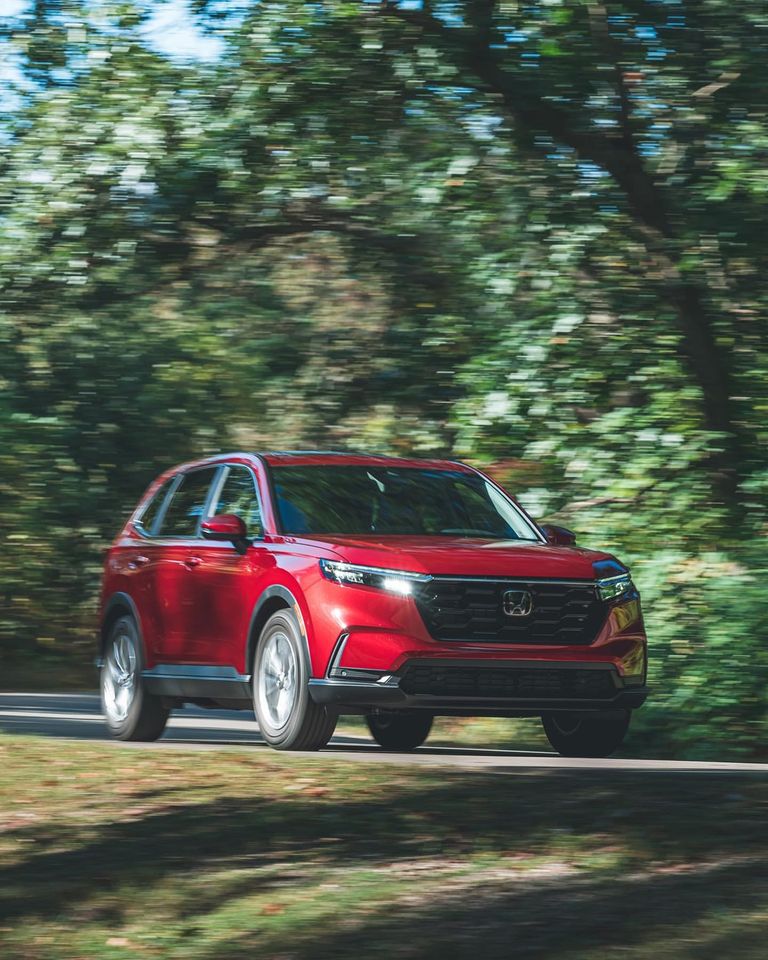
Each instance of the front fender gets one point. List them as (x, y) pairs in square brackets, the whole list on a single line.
[(272, 598)]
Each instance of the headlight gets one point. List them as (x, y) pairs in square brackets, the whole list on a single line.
[(395, 581), (612, 587)]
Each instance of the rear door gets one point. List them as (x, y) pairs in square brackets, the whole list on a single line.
[(179, 568), (139, 563)]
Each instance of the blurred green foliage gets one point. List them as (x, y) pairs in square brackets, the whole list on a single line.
[(527, 234)]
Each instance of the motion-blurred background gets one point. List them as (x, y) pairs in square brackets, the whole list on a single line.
[(531, 235)]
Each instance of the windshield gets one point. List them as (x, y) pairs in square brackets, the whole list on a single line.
[(396, 501)]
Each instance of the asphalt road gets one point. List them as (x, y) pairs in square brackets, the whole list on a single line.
[(78, 717)]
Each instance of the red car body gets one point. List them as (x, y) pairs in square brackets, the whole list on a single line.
[(200, 604)]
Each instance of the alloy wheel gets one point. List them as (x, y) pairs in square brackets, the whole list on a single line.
[(277, 682), (119, 677)]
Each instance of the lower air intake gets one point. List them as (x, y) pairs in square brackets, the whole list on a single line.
[(508, 683)]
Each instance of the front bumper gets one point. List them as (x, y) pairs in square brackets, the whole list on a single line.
[(465, 688)]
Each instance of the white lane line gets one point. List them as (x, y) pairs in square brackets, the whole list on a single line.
[(28, 714), (201, 723), (7, 694)]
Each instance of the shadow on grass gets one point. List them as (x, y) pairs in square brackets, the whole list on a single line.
[(670, 916), (658, 820)]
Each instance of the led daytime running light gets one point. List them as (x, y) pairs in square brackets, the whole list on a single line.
[(393, 581)]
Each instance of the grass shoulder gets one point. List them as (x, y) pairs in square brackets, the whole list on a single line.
[(108, 851)]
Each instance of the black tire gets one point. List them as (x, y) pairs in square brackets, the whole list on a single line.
[(596, 734), (130, 711), (306, 725), (399, 730)]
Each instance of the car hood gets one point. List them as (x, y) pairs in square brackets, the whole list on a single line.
[(472, 557)]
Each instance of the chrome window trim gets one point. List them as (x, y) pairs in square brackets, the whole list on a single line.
[(169, 484), (221, 470), (174, 479), (195, 538)]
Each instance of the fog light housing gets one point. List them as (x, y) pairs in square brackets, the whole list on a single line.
[(633, 666)]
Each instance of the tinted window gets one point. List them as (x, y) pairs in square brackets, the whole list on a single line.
[(149, 515), (238, 496), (395, 500), (187, 504)]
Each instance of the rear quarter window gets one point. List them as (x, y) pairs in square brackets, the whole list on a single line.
[(148, 516)]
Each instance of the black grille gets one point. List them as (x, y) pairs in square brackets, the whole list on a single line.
[(541, 683), (562, 613)]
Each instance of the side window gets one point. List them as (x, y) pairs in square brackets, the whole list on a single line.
[(187, 504), (149, 514), (238, 496)]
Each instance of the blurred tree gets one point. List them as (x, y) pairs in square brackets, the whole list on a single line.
[(524, 233)]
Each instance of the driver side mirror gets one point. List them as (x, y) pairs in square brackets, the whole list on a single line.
[(226, 527), (559, 536)]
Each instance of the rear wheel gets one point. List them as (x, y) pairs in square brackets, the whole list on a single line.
[(596, 734), (399, 730), (288, 717), (130, 711)]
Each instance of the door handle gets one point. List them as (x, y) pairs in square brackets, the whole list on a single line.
[(191, 562), (137, 562)]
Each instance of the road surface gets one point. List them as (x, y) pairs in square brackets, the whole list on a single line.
[(77, 717)]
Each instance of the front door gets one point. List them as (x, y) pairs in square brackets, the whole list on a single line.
[(226, 592)]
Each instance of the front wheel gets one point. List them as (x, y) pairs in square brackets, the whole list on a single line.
[(400, 731), (595, 734), (288, 717), (131, 712)]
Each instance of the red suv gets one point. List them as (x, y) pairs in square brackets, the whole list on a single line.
[(306, 585)]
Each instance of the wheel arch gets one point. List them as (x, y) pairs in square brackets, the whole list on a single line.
[(118, 605), (274, 598)]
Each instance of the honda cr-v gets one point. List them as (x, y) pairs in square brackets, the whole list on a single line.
[(307, 585)]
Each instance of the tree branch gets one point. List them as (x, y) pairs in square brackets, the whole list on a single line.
[(535, 113), (616, 154)]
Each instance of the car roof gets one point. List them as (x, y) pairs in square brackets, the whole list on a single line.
[(315, 458), (347, 458)]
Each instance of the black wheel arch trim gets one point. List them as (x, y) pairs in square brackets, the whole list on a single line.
[(119, 600), (277, 590)]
